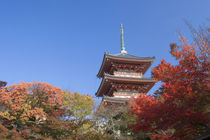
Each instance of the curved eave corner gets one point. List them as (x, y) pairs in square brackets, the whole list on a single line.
[(100, 74), (98, 91)]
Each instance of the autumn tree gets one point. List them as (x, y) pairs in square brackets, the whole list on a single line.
[(80, 108), (38, 110), (180, 109), (26, 105), (79, 105), (30, 101)]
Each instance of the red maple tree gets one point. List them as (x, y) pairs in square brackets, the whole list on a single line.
[(180, 109)]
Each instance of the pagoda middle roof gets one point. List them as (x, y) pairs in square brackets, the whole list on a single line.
[(107, 79), (121, 57)]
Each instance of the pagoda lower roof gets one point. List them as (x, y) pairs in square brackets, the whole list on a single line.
[(109, 80), (122, 58), (113, 104)]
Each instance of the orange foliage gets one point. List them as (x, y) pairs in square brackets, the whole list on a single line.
[(39, 111), (30, 101)]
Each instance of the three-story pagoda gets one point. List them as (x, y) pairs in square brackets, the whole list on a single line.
[(122, 77)]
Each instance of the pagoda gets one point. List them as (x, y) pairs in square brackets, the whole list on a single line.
[(122, 78)]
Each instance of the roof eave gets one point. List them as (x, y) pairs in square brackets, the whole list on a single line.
[(138, 59), (100, 74), (112, 77), (124, 79), (101, 85), (107, 56)]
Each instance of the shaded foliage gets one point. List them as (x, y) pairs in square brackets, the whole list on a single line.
[(2, 84)]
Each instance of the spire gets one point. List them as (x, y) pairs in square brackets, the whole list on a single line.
[(123, 51)]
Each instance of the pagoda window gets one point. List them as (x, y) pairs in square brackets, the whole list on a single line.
[(128, 73)]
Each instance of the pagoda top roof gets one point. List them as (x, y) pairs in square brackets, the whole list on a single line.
[(128, 56), (108, 79), (123, 58)]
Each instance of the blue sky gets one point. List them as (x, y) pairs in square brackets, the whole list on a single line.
[(62, 42)]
